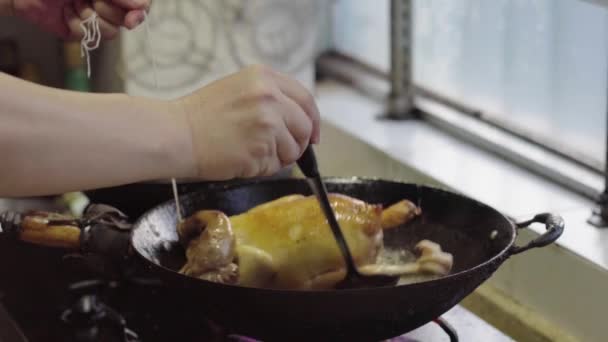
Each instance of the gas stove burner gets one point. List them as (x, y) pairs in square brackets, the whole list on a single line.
[(9, 330), (10, 222), (90, 319), (136, 309), (442, 323), (447, 328)]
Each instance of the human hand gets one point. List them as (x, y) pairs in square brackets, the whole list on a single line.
[(251, 123), (63, 17)]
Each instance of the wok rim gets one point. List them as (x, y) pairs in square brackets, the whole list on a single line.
[(499, 258)]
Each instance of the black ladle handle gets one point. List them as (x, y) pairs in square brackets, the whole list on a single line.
[(555, 228), (308, 165)]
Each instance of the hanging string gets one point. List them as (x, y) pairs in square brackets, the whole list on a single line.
[(92, 35), (91, 39), (155, 72), (154, 69)]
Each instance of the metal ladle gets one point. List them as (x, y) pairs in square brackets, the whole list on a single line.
[(354, 279)]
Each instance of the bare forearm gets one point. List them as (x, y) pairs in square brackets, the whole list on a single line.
[(54, 141)]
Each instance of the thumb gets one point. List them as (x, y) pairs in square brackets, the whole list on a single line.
[(134, 18), (132, 4)]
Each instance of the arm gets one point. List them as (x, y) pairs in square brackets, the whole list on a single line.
[(248, 124), (54, 141)]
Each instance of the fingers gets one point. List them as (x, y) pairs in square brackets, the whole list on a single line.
[(299, 126), (72, 20), (84, 11), (135, 11), (133, 4), (288, 149), (111, 13), (300, 95), (111, 16), (134, 18), (272, 165), (266, 160)]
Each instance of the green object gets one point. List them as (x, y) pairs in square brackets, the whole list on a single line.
[(76, 79)]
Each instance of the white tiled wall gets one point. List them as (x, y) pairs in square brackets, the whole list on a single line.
[(194, 42)]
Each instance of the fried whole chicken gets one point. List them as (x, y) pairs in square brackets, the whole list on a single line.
[(287, 243)]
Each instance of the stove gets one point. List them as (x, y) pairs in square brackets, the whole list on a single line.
[(48, 296), (141, 309)]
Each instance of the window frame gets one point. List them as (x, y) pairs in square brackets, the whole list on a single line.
[(398, 92)]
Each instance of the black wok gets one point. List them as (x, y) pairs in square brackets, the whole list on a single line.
[(479, 237)]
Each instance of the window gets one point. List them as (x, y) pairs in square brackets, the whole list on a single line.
[(538, 65), (536, 68), (361, 30)]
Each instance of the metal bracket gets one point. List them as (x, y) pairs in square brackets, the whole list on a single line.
[(400, 100), (599, 216)]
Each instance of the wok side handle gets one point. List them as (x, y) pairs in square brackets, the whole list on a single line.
[(554, 225)]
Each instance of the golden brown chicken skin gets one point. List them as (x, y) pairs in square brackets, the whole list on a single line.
[(287, 243)]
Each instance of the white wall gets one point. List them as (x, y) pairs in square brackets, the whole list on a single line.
[(197, 41)]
